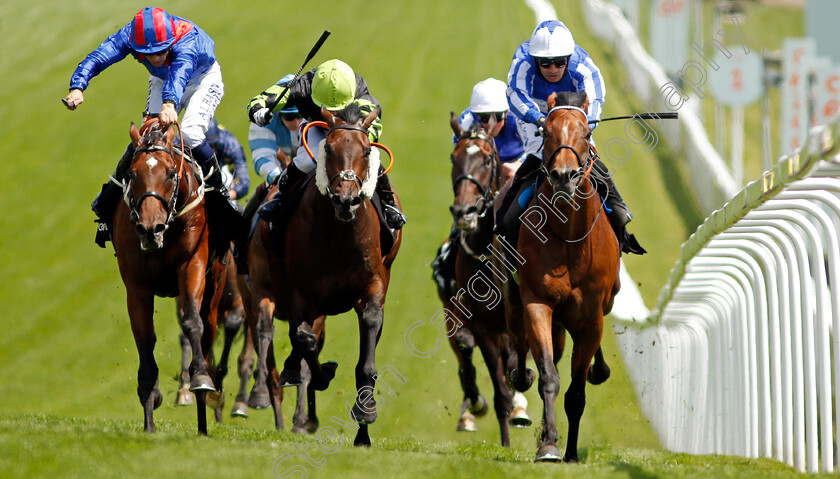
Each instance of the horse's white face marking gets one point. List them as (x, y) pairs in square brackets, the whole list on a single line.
[(473, 149), (565, 131), (151, 162)]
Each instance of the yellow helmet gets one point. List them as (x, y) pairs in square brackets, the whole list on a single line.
[(334, 85)]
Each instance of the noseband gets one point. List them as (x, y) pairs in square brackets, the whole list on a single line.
[(346, 175), (485, 202)]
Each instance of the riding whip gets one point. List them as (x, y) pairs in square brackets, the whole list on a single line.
[(312, 53)]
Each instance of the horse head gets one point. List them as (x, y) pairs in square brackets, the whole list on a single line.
[(348, 167), (154, 174), (567, 161), (475, 174)]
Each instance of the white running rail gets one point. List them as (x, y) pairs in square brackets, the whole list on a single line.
[(741, 354)]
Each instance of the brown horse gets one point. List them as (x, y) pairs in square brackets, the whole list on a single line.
[(568, 262), (330, 262), (476, 178), (161, 241)]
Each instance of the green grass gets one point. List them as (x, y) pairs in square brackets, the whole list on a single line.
[(67, 402)]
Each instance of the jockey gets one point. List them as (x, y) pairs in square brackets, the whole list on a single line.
[(184, 76), (333, 85), (551, 62), (231, 156), (489, 100), (281, 133)]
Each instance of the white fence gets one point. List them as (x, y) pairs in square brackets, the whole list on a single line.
[(740, 355), (710, 176)]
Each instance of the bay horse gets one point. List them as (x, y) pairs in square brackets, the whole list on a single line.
[(330, 262), (568, 263), (480, 314), (161, 241)]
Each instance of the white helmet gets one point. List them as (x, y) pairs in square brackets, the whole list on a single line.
[(551, 39), (489, 96)]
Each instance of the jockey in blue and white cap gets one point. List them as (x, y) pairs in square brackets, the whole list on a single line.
[(547, 63), (181, 61)]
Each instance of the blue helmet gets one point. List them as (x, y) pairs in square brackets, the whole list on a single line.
[(283, 82), (152, 31)]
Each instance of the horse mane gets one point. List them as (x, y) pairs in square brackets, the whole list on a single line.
[(570, 98), (351, 114)]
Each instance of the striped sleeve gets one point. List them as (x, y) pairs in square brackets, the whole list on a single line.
[(589, 75), (263, 143), (520, 83)]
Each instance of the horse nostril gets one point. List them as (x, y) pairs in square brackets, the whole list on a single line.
[(336, 201), (356, 201), (471, 210), (159, 229), (141, 230)]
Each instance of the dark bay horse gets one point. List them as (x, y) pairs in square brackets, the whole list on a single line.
[(330, 262), (568, 262), (476, 178), (161, 241)]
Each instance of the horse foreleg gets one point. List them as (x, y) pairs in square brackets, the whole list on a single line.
[(584, 349), (184, 396), (302, 422), (538, 327), (502, 396), (463, 344), (232, 322), (259, 398), (522, 377), (370, 327), (246, 366), (140, 311), (274, 390)]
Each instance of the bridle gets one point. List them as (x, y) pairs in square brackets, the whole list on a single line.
[(584, 170), (344, 175), (584, 164), (488, 192), (168, 204)]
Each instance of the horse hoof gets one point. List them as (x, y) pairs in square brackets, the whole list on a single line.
[(240, 409), (519, 418), (597, 376), (466, 423), (327, 374), (573, 459), (184, 397), (479, 407), (523, 382), (288, 379), (259, 400), (201, 382), (215, 399), (548, 453), (309, 427)]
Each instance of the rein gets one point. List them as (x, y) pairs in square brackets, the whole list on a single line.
[(487, 192)]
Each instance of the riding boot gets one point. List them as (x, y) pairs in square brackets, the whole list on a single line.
[(107, 200), (393, 216), (619, 213), (507, 216), (271, 209), (227, 223)]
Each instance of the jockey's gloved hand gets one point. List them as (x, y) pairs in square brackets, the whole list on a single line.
[(262, 116)]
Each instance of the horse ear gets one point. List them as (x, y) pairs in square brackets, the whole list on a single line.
[(552, 101), (456, 126), (327, 116), (585, 105), (134, 133), (371, 117)]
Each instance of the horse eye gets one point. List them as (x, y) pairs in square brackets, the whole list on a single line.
[(172, 174), (328, 148), (367, 151)]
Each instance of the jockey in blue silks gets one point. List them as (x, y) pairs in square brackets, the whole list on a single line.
[(184, 76), (550, 62)]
